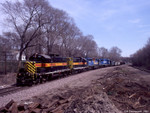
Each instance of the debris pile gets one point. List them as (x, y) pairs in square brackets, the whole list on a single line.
[(126, 92), (83, 99)]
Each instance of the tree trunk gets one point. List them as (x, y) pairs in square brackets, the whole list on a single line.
[(19, 62)]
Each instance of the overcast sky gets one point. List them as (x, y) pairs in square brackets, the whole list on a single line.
[(121, 23)]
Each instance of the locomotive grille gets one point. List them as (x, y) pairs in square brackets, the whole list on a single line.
[(30, 67)]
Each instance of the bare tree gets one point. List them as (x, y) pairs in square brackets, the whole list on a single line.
[(69, 38), (37, 26), (87, 46), (57, 25), (115, 53), (27, 17), (142, 56), (103, 52)]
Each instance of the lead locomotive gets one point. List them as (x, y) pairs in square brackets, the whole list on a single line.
[(42, 67)]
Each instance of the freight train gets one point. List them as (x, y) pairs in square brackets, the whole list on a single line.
[(41, 67)]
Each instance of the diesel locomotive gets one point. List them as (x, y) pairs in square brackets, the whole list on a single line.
[(41, 67)]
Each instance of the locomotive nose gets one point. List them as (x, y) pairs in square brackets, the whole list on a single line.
[(30, 67)]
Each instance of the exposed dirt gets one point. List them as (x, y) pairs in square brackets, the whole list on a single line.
[(8, 79), (121, 87), (128, 88)]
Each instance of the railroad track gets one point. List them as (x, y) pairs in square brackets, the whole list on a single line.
[(9, 90), (13, 89)]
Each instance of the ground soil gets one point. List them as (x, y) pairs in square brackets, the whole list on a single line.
[(128, 88), (8, 79), (108, 90)]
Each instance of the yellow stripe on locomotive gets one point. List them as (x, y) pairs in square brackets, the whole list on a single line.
[(78, 63), (30, 67)]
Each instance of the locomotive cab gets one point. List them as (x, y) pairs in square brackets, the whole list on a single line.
[(32, 69)]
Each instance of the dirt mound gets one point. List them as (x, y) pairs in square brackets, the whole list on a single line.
[(127, 93)]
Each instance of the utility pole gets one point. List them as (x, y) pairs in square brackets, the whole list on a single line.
[(5, 62)]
